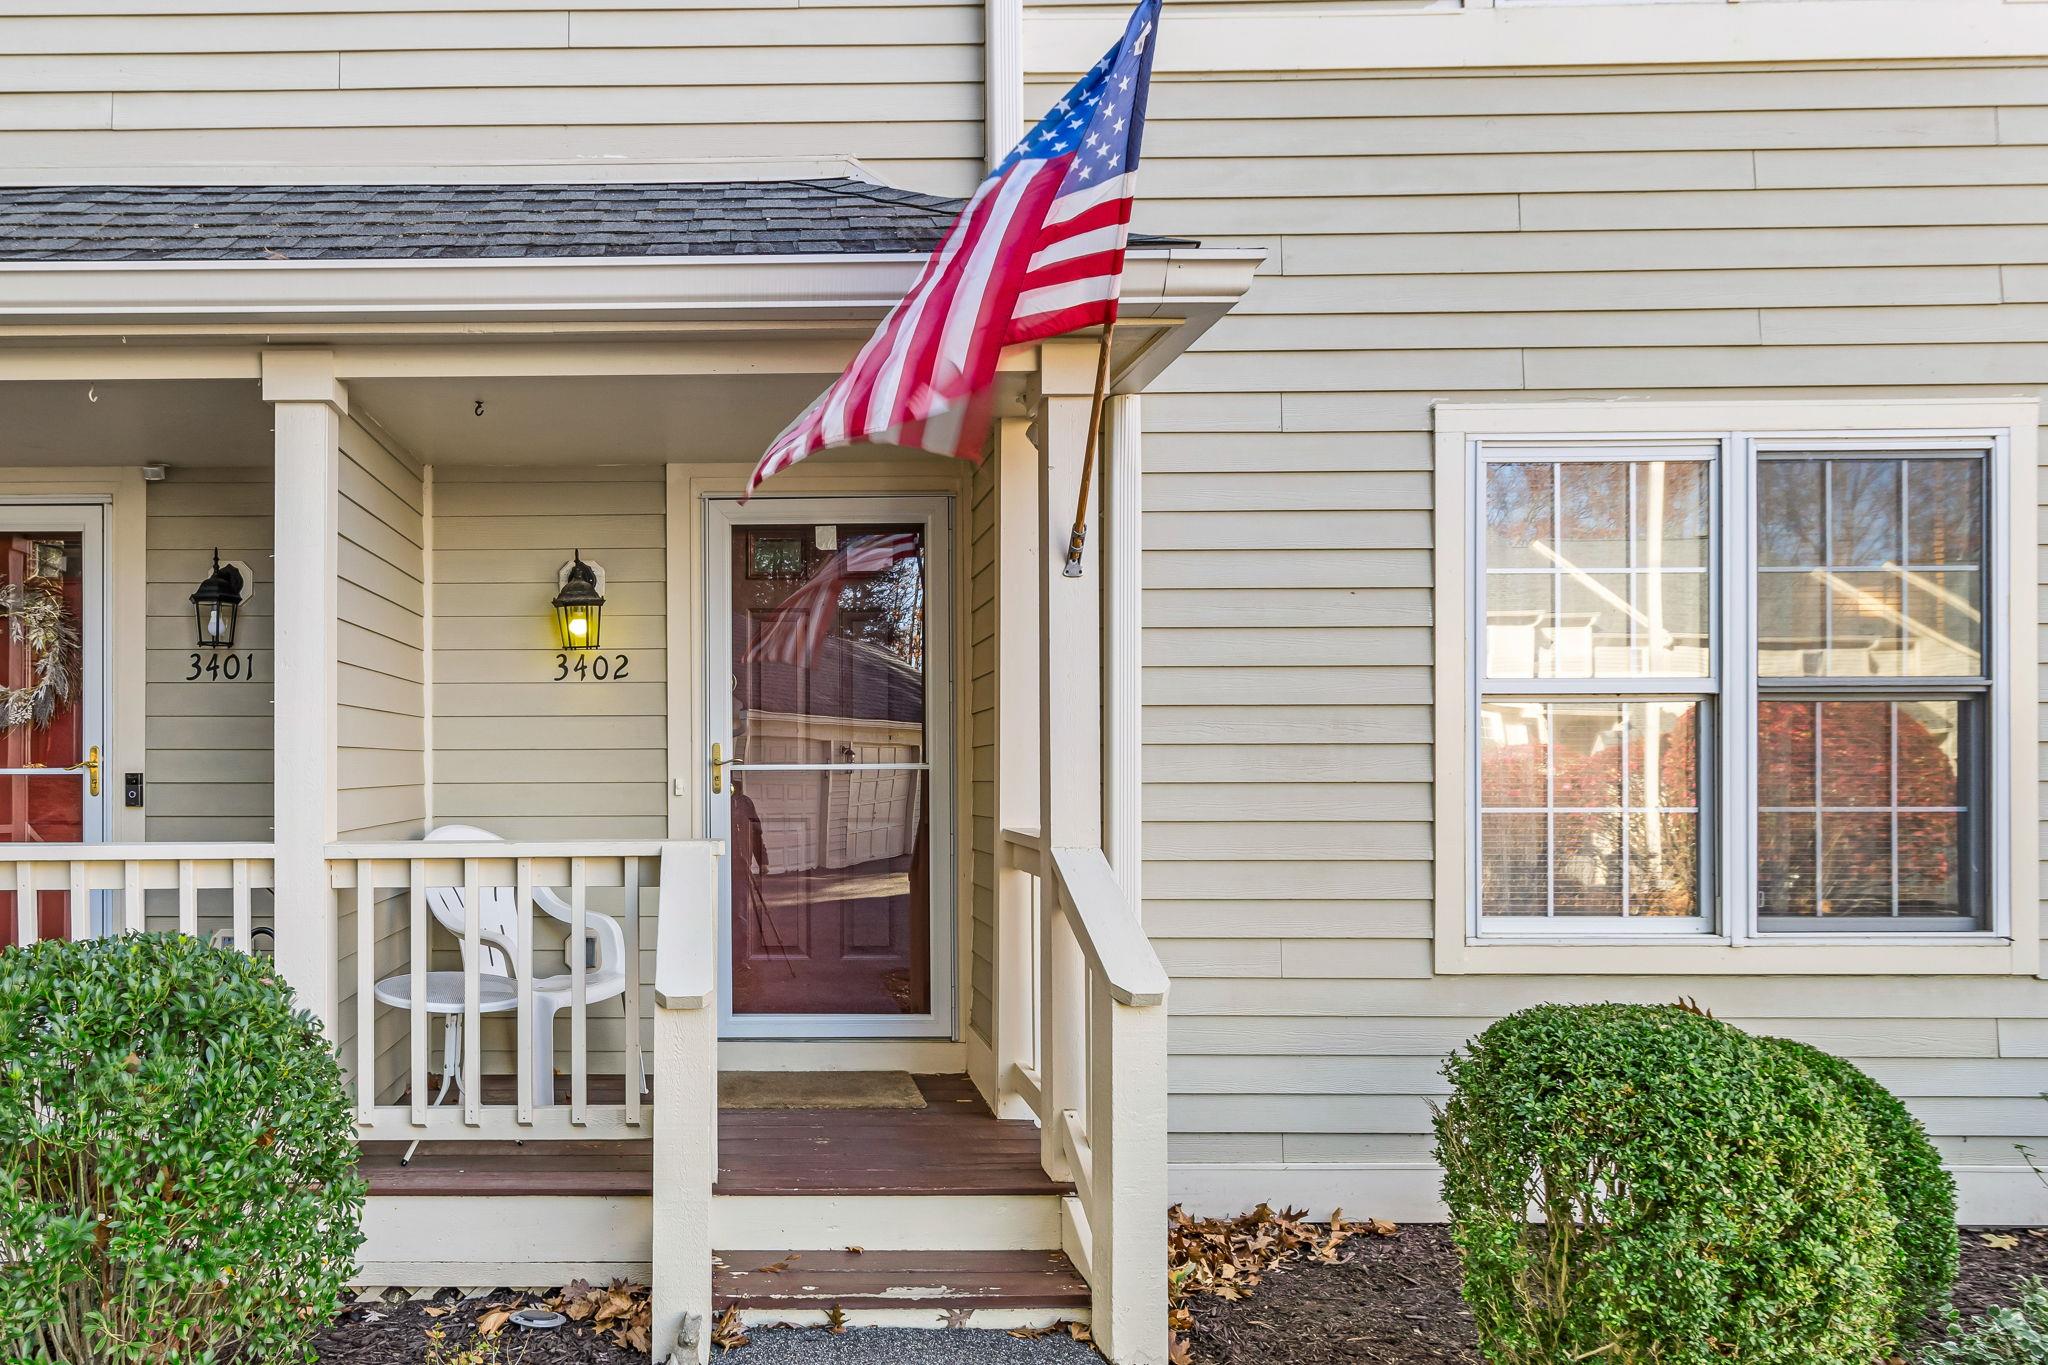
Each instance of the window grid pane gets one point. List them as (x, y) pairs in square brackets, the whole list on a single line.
[(1599, 568), (1868, 808), (1884, 578), (1590, 809)]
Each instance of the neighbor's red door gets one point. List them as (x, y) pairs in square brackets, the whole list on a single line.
[(43, 788)]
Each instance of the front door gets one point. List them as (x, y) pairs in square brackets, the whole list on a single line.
[(52, 716), (829, 700)]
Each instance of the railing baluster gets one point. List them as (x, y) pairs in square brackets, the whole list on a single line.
[(522, 968), (244, 935), (27, 923), (631, 966), (134, 914), (366, 987), (81, 901), (472, 1014), (416, 882), (579, 1021), (188, 899)]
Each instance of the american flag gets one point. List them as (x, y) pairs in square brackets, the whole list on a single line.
[(1038, 251), (805, 616)]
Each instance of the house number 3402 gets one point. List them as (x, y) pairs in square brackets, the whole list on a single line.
[(222, 668), (591, 668)]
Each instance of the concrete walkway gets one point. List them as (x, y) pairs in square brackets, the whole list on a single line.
[(904, 1346)]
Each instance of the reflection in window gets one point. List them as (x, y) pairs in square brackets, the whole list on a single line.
[(1590, 808), (1598, 568), (1869, 808), (1870, 567)]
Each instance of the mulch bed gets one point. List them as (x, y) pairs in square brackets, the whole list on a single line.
[(397, 1334), (1384, 1301), (1394, 1301)]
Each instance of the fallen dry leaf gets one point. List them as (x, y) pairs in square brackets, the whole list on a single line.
[(728, 1334), (493, 1321), (1998, 1241), (1226, 1257), (835, 1320)]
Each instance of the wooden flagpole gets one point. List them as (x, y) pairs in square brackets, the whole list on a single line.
[(1079, 537)]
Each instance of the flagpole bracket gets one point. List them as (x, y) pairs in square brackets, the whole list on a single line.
[(1075, 543)]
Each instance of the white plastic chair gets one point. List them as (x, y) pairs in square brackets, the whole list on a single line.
[(498, 925)]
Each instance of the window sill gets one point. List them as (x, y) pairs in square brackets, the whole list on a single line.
[(1805, 955)]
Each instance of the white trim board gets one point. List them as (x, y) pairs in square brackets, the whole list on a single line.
[(2010, 426), (1537, 36), (1996, 1196)]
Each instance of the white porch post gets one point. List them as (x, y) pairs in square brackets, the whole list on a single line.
[(307, 404), (1017, 757), (1113, 1070), (1069, 723), (1123, 550), (685, 1103)]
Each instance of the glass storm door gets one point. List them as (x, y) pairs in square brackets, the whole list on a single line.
[(52, 746), (829, 707)]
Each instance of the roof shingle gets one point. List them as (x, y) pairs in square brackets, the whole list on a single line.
[(369, 222)]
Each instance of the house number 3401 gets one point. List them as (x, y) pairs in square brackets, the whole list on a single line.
[(591, 668), (217, 667)]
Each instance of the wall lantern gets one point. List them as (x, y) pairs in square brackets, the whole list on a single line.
[(579, 605), (216, 602)]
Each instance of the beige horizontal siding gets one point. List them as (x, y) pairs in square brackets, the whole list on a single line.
[(1794, 233), (439, 83), (208, 766), (380, 638), (515, 750)]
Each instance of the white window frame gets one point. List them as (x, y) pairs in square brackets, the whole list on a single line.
[(2006, 429)]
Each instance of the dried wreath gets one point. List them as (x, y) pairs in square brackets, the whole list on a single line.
[(37, 616)]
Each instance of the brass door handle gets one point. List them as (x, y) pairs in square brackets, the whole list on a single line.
[(718, 762), (90, 767)]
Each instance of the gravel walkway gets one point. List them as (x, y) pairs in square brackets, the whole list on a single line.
[(903, 1346)]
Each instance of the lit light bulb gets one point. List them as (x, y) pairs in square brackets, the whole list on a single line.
[(579, 627)]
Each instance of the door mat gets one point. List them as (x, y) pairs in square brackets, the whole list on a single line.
[(818, 1090)]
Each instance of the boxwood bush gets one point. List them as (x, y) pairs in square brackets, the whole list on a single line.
[(1635, 1184), (176, 1167), (1919, 1193)]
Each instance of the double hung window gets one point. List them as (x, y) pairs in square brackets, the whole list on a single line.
[(1732, 687)]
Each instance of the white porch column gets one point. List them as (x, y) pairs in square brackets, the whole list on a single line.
[(307, 404), (1069, 723), (1017, 756), (1122, 555), (1069, 609), (1108, 1058)]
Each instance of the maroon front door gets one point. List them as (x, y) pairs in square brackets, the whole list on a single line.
[(830, 792)]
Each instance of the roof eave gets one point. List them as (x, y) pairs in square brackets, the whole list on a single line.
[(1198, 284)]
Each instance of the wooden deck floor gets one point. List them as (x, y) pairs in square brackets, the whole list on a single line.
[(950, 1280), (951, 1146)]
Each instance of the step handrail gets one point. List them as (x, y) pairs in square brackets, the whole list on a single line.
[(1108, 932)]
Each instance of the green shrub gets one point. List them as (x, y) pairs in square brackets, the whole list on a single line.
[(2003, 1336), (176, 1164), (1633, 1184), (1920, 1194)]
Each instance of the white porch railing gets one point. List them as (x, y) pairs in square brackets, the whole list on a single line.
[(1093, 1069), (105, 887), (389, 885)]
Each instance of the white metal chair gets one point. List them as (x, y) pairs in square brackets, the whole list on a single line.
[(498, 927)]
